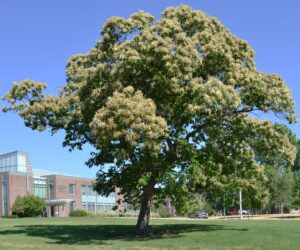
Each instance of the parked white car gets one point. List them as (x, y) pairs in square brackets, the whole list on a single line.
[(295, 211), (243, 212)]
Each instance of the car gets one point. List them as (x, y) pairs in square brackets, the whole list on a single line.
[(295, 211), (202, 214), (244, 212), (233, 211)]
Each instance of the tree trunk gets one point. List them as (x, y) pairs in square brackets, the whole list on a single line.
[(144, 215)]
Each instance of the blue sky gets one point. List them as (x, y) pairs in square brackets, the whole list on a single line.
[(38, 37)]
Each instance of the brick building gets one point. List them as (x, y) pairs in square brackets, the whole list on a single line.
[(63, 193)]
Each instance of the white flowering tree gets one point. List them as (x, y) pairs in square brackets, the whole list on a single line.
[(167, 106)]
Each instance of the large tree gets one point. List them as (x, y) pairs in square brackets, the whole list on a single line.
[(168, 105)]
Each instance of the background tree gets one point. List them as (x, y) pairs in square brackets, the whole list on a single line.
[(296, 166), (191, 203), (166, 104), (281, 184), (281, 179), (296, 175), (296, 190)]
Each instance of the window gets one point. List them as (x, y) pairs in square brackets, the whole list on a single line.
[(107, 207), (91, 206), (40, 187), (83, 190), (40, 190), (72, 188), (72, 206), (90, 190), (100, 207), (84, 206)]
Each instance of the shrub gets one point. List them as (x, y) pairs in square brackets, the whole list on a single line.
[(18, 206), (28, 206), (154, 215), (107, 214), (114, 214), (33, 205), (79, 213), (10, 216)]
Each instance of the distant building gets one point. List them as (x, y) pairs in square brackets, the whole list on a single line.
[(63, 193)]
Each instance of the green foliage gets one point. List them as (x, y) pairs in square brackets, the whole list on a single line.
[(296, 176), (296, 166), (281, 183), (18, 206), (14, 216), (111, 214), (189, 203), (167, 105), (258, 198), (282, 174), (79, 213), (108, 214), (28, 206), (33, 205), (207, 207), (296, 191)]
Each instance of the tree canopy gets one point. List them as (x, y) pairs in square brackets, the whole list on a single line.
[(169, 105), (296, 166)]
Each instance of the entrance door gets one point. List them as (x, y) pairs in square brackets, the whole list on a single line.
[(72, 206), (52, 211)]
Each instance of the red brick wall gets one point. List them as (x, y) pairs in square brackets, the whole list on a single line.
[(61, 185), (17, 187)]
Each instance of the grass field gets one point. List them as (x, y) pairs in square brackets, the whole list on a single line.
[(115, 233)]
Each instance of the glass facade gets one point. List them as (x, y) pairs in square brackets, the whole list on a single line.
[(91, 201), (14, 162), (40, 187)]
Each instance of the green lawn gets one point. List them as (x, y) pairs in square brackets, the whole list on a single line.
[(115, 233)]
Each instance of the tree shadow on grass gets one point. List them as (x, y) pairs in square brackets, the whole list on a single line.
[(286, 217), (100, 234)]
